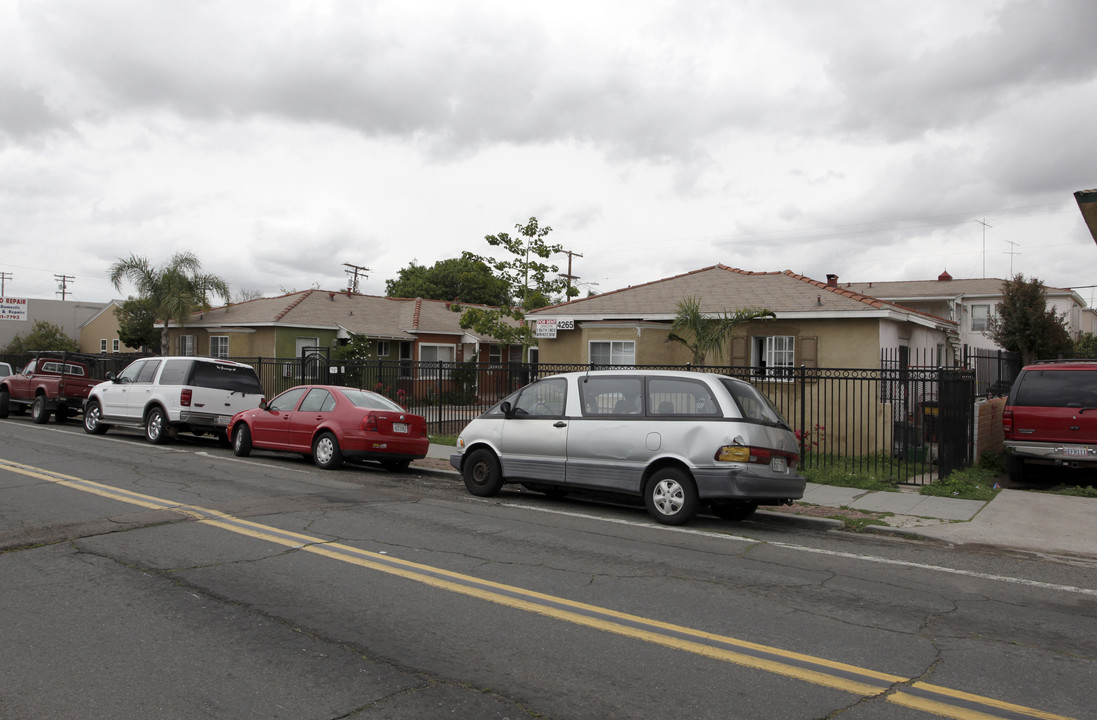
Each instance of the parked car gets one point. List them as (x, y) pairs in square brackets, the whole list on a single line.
[(168, 395), (676, 439), (5, 369), (53, 383), (1050, 417), (333, 424)]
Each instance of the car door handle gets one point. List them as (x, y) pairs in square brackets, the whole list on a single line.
[(559, 423)]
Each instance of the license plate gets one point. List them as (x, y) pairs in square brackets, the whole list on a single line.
[(1075, 451), (778, 464), (400, 427), (224, 419)]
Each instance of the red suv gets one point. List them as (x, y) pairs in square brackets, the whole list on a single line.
[(1051, 416)]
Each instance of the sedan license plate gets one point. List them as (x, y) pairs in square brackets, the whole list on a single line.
[(1074, 450), (400, 427), (778, 464)]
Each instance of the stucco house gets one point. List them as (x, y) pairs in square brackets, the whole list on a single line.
[(99, 333), (817, 324), (285, 326), (971, 303)]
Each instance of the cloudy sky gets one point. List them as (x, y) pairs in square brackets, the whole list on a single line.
[(280, 140)]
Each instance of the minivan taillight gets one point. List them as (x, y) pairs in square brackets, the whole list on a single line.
[(184, 397), (760, 455)]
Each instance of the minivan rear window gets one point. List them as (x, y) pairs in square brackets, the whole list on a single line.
[(752, 404), (1056, 388)]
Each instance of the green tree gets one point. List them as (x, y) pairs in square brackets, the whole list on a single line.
[(466, 278), (526, 273), (1025, 324), (1086, 346), (43, 335), (175, 290), (704, 334), (137, 323)]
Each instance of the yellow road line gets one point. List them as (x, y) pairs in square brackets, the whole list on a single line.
[(902, 691)]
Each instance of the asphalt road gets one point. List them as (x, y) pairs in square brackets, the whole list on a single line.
[(178, 581)]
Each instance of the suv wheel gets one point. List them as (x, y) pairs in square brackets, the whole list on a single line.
[(156, 430), (93, 419), (1016, 469)]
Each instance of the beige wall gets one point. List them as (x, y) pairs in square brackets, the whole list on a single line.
[(839, 343), (103, 327)]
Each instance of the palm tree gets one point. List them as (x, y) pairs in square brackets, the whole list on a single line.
[(175, 290), (707, 333)]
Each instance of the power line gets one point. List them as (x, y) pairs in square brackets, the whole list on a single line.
[(63, 283), (355, 270), (4, 277)]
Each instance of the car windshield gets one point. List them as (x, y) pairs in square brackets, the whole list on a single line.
[(752, 404), (370, 400)]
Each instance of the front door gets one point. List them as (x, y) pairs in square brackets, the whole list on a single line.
[(271, 426), (534, 442)]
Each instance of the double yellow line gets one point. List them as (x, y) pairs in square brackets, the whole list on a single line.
[(902, 691)]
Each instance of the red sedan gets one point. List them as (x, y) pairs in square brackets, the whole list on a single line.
[(332, 424)]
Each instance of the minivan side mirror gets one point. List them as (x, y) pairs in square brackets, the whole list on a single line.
[(508, 411)]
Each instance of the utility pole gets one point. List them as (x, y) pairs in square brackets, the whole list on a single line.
[(4, 277), (985, 226), (1011, 252), (63, 283), (569, 277), (355, 270)]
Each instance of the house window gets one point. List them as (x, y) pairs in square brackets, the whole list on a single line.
[(103, 345), (115, 345), (979, 316), (219, 346), (495, 354), (382, 348), (186, 345), (436, 354), (612, 352), (774, 356)]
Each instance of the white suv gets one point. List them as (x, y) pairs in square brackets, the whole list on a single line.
[(166, 395)]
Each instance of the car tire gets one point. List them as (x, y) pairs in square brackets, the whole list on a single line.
[(325, 451), (670, 496), (5, 403), (733, 509), (93, 419), (156, 427), (39, 415), (481, 473), (241, 440), (1016, 469), (396, 466)]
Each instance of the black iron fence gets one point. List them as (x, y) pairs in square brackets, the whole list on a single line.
[(902, 421)]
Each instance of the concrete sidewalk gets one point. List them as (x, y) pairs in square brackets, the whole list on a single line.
[(1014, 519)]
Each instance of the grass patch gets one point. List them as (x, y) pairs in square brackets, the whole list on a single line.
[(1077, 491), (443, 439), (864, 473), (973, 483), (858, 524)]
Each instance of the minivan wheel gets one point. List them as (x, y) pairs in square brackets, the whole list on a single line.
[(156, 431), (241, 441), (670, 496), (733, 509), (325, 452), (93, 419), (481, 472)]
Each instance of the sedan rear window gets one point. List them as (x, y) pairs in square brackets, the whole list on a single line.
[(370, 401)]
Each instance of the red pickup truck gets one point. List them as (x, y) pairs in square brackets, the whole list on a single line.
[(52, 384)]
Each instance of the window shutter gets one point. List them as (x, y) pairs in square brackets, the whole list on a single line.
[(739, 352), (808, 348)]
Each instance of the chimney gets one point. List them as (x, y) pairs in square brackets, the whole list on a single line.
[(331, 296), (832, 280)]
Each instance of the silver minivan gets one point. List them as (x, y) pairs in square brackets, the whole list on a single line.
[(676, 439)]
